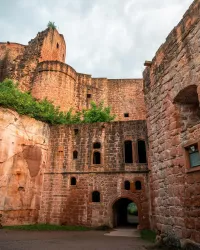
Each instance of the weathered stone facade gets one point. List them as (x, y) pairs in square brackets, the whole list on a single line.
[(172, 84), (64, 203), (49, 174), (23, 158)]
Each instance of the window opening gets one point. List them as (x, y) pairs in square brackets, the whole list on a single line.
[(142, 152), (75, 154), (128, 152), (57, 46), (96, 158), (138, 185), (73, 181), (75, 131), (127, 185), (126, 114), (97, 145), (95, 196), (194, 156)]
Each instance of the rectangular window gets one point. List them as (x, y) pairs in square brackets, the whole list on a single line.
[(194, 156), (126, 114)]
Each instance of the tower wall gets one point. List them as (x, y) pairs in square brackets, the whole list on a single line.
[(56, 82), (8, 54), (172, 84), (53, 47)]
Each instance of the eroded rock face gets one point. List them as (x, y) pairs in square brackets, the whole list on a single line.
[(23, 156)]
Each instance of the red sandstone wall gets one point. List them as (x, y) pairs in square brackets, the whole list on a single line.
[(23, 156), (89, 89), (13, 49), (56, 82), (63, 203), (126, 96), (175, 191), (53, 47), (47, 45), (8, 53)]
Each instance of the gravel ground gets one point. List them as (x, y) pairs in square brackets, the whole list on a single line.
[(89, 240)]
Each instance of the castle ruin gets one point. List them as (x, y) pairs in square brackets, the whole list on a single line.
[(88, 174)]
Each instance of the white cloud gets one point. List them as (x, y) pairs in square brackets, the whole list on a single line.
[(105, 38)]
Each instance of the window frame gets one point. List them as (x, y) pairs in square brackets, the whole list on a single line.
[(188, 167)]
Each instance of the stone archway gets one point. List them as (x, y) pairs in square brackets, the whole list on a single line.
[(125, 213)]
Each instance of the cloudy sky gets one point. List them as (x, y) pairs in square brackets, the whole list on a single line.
[(105, 38)]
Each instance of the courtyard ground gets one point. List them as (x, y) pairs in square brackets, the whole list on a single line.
[(56, 240)]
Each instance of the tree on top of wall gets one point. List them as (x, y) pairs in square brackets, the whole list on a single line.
[(51, 25)]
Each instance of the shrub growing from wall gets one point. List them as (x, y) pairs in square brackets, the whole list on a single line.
[(22, 102)]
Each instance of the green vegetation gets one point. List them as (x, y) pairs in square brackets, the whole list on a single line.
[(132, 209), (47, 227), (11, 97), (51, 25), (148, 235)]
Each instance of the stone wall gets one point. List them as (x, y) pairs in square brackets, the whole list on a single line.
[(39, 68), (53, 47), (171, 94), (56, 82), (125, 96), (23, 60), (63, 203), (8, 54), (90, 89), (23, 158)]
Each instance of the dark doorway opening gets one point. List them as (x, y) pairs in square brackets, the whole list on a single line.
[(125, 213)]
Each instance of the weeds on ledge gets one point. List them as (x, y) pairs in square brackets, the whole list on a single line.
[(22, 102)]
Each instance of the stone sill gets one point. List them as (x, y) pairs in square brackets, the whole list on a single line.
[(192, 170)]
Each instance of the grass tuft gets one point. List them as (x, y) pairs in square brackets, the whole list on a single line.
[(47, 227), (148, 235)]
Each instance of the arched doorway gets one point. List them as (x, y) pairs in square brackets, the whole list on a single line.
[(125, 213)]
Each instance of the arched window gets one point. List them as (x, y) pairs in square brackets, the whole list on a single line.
[(73, 181), (138, 185), (75, 155), (57, 45), (142, 158), (187, 103), (95, 196), (96, 157), (127, 185), (128, 152), (97, 145)]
